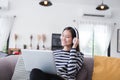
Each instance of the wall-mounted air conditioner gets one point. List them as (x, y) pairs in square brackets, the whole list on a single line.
[(3, 4), (102, 14)]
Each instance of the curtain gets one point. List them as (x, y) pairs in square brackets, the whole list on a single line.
[(6, 23), (102, 35), (95, 37), (85, 33)]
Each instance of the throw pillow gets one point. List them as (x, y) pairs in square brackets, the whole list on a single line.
[(106, 68)]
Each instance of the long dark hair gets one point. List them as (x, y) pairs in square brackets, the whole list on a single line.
[(74, 34)]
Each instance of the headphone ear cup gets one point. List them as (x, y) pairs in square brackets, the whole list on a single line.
[(74, 39)]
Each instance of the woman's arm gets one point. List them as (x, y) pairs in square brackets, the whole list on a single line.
[(75, 63)]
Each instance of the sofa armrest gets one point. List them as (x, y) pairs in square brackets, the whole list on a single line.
[(7, 65)]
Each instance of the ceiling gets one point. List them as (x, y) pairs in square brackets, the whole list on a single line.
[(110, 3)]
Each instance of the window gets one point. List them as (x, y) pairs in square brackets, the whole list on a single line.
[(95, 38)]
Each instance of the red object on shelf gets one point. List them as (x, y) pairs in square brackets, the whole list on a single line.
[(16, 52)]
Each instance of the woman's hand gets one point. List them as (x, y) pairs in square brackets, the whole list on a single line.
[(75, 42)]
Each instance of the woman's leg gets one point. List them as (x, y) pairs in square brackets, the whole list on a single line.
[(53, 77), (37, 74)]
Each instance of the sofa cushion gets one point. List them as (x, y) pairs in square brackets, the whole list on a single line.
[(86, 72), (82, 74), (7, 65), (106, 68)]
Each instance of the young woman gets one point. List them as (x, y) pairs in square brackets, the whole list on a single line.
[(68, 61)]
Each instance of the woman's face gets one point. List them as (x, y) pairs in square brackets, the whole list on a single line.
[(66, 38)]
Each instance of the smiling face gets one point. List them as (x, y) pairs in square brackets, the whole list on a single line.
[(66, 39)]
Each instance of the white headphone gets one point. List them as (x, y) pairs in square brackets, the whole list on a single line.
[(76, 32)]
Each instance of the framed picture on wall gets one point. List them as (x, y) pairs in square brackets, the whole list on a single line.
[(118, 40)]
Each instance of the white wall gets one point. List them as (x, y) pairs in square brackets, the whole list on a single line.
[(35, 19), (31, 18), (116, 19)]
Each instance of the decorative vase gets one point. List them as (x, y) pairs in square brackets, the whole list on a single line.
[(43, 38), (31, 37), (15, 37), (38, 38)]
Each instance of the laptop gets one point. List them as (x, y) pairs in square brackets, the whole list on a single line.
[(41, 59)]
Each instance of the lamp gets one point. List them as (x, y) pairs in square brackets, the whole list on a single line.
[(45, 3), (102, 6)]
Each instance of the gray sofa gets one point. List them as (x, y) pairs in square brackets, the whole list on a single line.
[(7, 66)]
